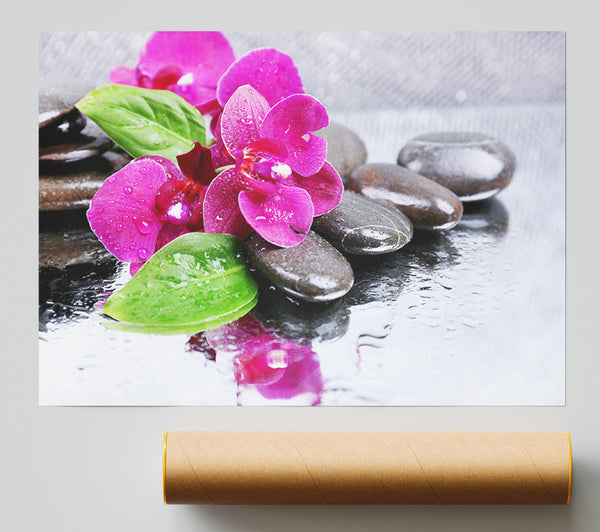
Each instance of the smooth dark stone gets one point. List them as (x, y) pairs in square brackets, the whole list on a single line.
[(312, 271), (59, 249), (427, 204), (90, 143), (364, 227), (472, 165), (345, 149), (75, 189), (57, 97), (63, 130)]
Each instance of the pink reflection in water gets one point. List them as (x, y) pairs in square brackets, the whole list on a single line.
[(277, 368)]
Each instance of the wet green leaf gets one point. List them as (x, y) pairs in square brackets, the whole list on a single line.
[(145, 121), (196, 282)]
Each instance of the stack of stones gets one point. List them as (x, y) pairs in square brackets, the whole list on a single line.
[(382, 204), (380, 208), (74, 156)]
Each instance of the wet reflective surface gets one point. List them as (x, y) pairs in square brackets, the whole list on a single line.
[(472, 315)]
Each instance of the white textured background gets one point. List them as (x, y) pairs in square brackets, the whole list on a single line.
[(364, 69)]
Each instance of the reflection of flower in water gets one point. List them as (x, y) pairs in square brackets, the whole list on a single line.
[(278, 369)]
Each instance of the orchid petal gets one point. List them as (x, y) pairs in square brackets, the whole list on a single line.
[(220, 155), (325, 188), (241, 119), (292, 121), (269, 71), (167, 234), (206, 53), (302, 373), (282, 218), (122, 212), (186, 62), (124, 76), (172, 170), (134, 267), (269, 146), (197, 164), (221, 211)]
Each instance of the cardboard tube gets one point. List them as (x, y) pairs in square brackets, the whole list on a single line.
[(367, 467)]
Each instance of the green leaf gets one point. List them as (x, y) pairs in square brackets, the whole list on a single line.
[(196, 282), (145, 121)]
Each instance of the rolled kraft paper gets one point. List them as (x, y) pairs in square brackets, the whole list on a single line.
[(367, 467)]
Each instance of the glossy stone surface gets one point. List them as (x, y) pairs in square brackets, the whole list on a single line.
[(62, 130), (363, 227), (428, 205), (90, 143), (65, 239), (57, 97), (345, 149), (312, 271), (74, 187), (472, 165)]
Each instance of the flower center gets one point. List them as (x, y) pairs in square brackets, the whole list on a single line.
[(179, 202), (262, 172), (166, 77)]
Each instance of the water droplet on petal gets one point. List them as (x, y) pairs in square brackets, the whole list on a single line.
[(143, 254), (247, 120), (119, 227), (143, 170), (143, 227), (132, 245), (127, 190)]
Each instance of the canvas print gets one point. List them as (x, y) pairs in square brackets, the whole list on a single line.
[(301, 218)]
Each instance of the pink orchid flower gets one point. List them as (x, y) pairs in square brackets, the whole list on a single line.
[(276, 367), (280, 179), (188, 63), (150, 202), (200, 67)]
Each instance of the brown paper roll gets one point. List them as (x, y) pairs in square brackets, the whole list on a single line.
[(367, 467)]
